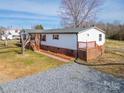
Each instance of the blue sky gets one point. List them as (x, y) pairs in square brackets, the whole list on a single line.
[(27, 13)]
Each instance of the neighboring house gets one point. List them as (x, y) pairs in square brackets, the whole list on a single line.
[(11, 34), (81, 43)]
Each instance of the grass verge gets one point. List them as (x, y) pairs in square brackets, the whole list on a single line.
[(14, 65), (114, 57)]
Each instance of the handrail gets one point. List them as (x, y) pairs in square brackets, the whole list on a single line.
[(87, 45)]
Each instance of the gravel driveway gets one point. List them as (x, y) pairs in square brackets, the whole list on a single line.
[(70, 78)]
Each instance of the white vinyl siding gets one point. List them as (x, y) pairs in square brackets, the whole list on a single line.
[(91, 35), (68, 41)]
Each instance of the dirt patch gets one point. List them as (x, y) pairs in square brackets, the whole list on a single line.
[(5, 78)]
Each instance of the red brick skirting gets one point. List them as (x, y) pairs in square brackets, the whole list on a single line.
[(93, 53), (67, 52), (85, 54)]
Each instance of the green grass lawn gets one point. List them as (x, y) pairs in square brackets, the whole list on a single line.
[(15, 65)]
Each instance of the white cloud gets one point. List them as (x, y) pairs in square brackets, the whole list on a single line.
[(30, 6), (20, 13)]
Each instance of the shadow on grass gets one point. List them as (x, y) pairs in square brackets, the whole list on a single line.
[(14, 47), (102, 64), (6, 51), (18, 51), (18, 44), (8, 47), (10, 51)]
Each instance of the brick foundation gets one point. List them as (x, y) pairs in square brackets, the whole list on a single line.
[(67, 52), (85, 54), (93, 53)]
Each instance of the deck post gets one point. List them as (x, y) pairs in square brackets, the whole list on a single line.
[(77, 48)]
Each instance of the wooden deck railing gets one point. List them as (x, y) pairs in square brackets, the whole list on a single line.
[(86, 45)]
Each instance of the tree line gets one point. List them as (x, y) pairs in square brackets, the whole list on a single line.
[(113, 30)]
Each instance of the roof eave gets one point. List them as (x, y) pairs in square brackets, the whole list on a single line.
[(93, 28), (53, 32)]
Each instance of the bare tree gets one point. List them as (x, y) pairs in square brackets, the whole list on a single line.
[(76, 13), (6, 39), (25, 39), (5, 34), (1, 32)]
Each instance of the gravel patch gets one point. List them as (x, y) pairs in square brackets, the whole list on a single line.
[(69, 78)]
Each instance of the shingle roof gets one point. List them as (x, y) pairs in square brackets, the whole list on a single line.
[(52, 31)]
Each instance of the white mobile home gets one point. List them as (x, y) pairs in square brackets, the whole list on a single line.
[(76, 42), (11, 34)]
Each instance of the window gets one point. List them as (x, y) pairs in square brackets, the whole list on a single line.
[(100, 37), (56, 37), (43, 37)]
